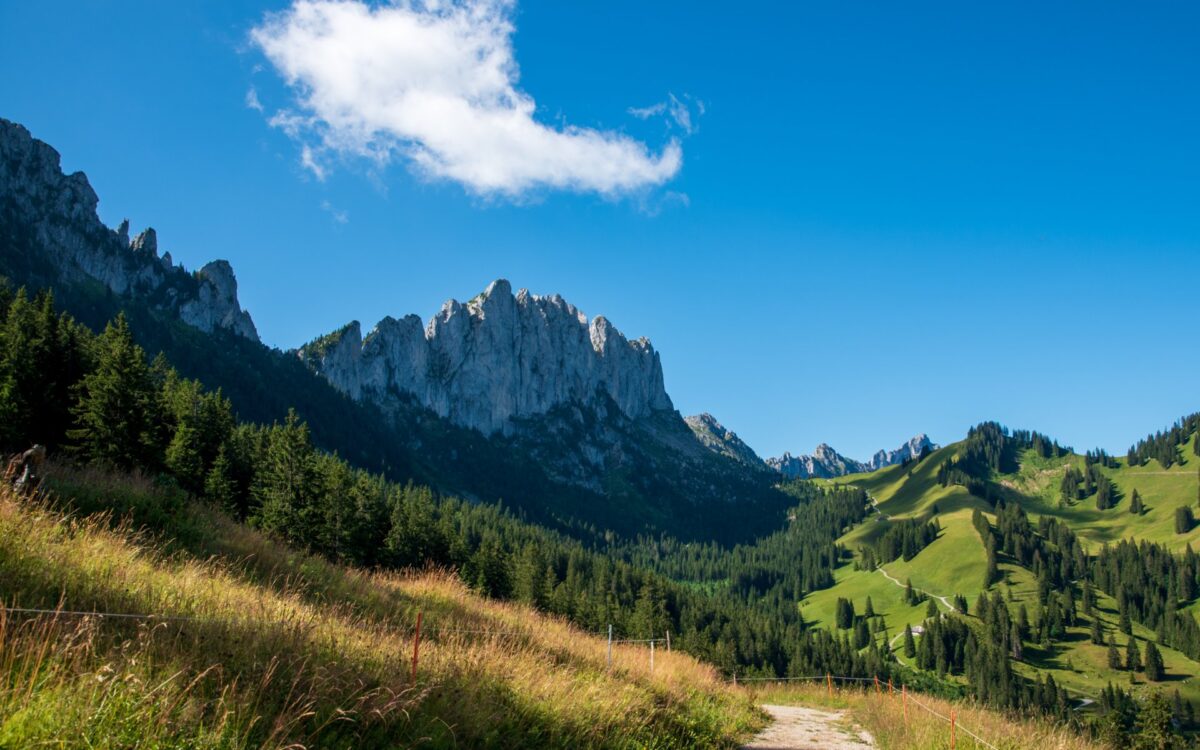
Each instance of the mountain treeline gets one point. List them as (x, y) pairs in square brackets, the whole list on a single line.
[(1164, 446)]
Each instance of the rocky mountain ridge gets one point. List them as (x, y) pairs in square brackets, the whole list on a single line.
[(495, 360), (52, 234), (825, 462)]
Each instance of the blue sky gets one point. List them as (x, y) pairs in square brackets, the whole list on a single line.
[(885, 220)]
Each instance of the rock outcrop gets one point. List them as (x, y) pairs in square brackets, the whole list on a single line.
[(495, 360), (718, 439), (912, 449), (54, 235), (825, 462)]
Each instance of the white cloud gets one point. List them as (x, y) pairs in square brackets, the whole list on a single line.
[(676, 110), (436, 82)]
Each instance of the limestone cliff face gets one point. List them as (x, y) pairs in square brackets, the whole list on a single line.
[(52, 233), (494, 360)]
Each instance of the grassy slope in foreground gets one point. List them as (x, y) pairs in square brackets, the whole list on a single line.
[(289, 650)]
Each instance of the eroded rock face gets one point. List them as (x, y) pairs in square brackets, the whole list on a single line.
[(717, 438), (59, 237), (496, 359)]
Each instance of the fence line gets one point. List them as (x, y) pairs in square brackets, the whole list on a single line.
[(417, 630), (200, 618)]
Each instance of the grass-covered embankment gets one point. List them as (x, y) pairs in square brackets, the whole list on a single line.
[(283, 649)]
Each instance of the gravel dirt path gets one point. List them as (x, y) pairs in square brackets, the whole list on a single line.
[(797, 728)]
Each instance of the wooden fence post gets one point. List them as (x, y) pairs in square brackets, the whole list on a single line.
[(952, 733), (610, 645), (668, 641), (651, 656), (878, 690), (891, 688), (416, 648), (829, 685)]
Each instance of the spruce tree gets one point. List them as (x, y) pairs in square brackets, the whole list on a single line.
[(220, 487), (1135, 503), (1133, 656), (869, 609), (1184, 520), (285, 486), (931, 610), (1154, 663), (116, 410), (1114, 656), (1097, 632), (910, 646)]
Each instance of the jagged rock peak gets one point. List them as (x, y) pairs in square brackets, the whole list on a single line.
[(498, 358), (826, 462), (52, 218), (717, 438), (912, 448)]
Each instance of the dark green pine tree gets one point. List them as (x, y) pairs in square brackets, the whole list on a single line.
[(992, 573), (1135, 503), (1114, 656), (931, 609), (220, 487), (1154, 663), (1184, 520), (1133, 656), (910, 646), (1097, 632), (116, 411), (862, 635), (844, 613), (492, 573), (869, 608), (286, 484)]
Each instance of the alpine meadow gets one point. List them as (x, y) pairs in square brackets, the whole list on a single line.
[(507, 523)]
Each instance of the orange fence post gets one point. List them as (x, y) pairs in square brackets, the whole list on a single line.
[(829, 684), (416, 648), (952, 717), (891, 688), (878, 690)]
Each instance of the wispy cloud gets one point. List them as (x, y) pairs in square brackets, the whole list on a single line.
[(675, 110), (252, 101), (339, 216), (436, 83)]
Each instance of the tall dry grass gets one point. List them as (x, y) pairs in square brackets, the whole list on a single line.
[(883, 715), (259, 645)]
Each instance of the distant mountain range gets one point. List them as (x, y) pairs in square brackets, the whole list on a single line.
[(825, 462)]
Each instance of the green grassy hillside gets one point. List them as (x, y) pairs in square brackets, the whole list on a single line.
[(956, 562)]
